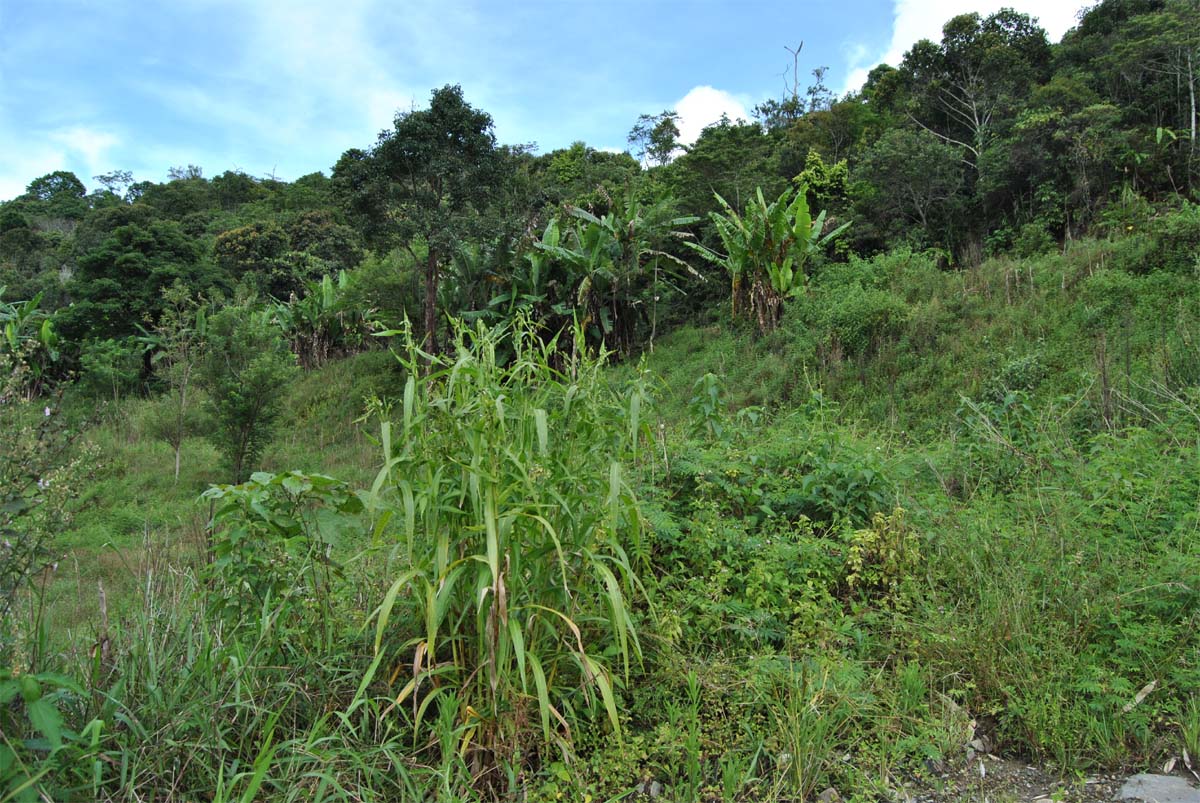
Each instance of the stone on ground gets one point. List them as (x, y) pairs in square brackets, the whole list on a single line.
[(1159, 789)]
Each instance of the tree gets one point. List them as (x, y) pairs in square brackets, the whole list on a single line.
[(233, 188), (1166, 43), (317, 233), (59, 195), (116, 183), (120, 283), (580, 176), (178, 343), (730, 159), (655, 136), (976, 76), (913, 176), (246, 365), (257, 253), (424, 184), (776, 115)]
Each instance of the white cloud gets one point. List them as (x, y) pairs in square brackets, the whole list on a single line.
[(703, 106), (88, 144), (77, 148), (923, 19)]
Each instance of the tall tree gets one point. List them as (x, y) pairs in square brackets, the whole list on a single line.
[(976, 76), (1166, 44), (424, 184), (911, 178), (655, 136)]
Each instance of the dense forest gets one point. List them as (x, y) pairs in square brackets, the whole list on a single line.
[(835, 450)]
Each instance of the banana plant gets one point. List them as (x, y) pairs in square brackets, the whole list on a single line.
[(613, 261), (319, 324), (30, 337), (767, 251), (537, 286)]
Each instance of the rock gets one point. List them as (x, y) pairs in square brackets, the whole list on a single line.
[(830, 795), (1159, 789), (981, 745), (649, 788)]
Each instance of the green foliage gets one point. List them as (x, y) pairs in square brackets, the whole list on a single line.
[(30, 343), (58, 196), (322, 324), (176, 345), (37, 750), (272, 546), (515, 568), (41, 467), (245, 365), (812, 712), (110, 368), (119, 284), (882, 558), (1176, 242), (706, 407), (583, 176), (1035, 416), (913, 183), (768, 251), (612, 262), (429, 178), (257, 255), (655, 137)]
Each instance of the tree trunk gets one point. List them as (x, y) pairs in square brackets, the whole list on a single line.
[(431, 280)]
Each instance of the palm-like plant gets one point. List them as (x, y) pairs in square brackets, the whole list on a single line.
[(767, 251)]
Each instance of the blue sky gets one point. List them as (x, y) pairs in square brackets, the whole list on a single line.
[(283, 87)]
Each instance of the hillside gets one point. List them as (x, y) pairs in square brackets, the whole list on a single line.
[(855, 448)]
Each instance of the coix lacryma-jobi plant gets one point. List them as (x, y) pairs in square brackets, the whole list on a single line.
[(514, 535)]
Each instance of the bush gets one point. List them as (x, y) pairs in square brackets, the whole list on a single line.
[(246, 365), (110, 368), (1176, 246)]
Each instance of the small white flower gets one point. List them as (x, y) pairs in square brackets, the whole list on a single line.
[(47, 412)]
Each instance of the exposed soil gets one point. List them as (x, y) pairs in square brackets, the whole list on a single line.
[(996, 780)]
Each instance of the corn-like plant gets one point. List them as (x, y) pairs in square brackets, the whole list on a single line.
[(767, 250), (514, 529)]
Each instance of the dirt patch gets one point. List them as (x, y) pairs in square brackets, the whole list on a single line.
[(996, 780)]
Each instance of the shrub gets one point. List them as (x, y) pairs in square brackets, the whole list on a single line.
[(246, 364)]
